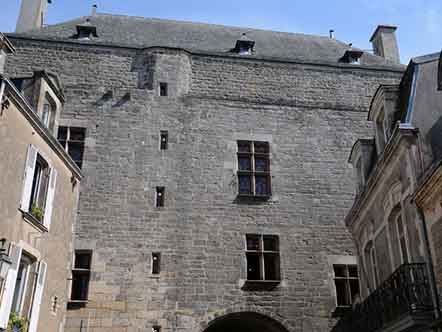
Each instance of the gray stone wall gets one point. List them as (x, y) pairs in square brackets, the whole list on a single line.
[(310, 115)]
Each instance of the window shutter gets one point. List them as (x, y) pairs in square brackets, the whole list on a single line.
[(28, 178), (11, 279), (38, 294), (50, 198)]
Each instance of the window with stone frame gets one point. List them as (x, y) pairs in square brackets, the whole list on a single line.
[(262, 255), (81, 274), (40, 185), (72, 139), (346, 280), (254, 169)]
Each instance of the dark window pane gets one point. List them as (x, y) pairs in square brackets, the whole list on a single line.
[(270, 243), (244, 163), (77, 134), (80, 285), (340, 271), (245, 185), (262, 186), (354, 289), (83, 260), (353, 271), (76, 151), (253, 242), (164, 137), (160, 196), (62, 133), (261, 165), (253, 269), (156, 261), (261, 147), (342, 292), (244, 146), (163, 89), (404, 250), (271, 266)]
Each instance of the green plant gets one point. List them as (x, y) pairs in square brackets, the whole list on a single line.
[(37, 212), (17, 323)]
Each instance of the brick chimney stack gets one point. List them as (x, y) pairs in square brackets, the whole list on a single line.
[(385, 43), (32, 15)]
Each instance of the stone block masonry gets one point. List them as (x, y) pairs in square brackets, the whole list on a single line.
[(309, 113)]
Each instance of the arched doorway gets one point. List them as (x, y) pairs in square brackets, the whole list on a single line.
[(245, 322)]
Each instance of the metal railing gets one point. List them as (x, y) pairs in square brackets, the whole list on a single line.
[(405, 292)]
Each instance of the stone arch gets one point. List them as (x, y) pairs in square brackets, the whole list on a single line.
[(223, 320)]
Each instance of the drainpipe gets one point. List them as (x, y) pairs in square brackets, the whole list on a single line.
[(433, 285)]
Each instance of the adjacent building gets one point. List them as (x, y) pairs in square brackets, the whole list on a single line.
[(396, 213), (39, 187), (214, 160)]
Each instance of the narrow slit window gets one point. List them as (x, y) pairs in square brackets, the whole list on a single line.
[(156, 263), (164, 140), (159, 201), (163, 89)]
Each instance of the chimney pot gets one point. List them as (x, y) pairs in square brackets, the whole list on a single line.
[(94, 9)]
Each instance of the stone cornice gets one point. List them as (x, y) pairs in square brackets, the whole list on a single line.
[(401, 133), (23, 106)]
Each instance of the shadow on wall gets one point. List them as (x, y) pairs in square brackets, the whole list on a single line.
[(434, 137)]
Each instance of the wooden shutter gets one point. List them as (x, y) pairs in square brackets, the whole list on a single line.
[(28, 178), (11, 280), (50, 198), (38, 294)]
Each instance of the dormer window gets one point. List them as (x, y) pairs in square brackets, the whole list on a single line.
[(244, 46), (86, 31), (352, 57)]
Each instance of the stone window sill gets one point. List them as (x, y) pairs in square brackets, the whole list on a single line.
[(29, 218)]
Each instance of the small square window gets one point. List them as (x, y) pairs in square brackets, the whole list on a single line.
[(159, 201), (156, 263), (156, 328), (163, 89), (164, 139)]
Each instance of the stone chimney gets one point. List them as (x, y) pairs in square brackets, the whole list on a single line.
[(5, 49), (385, 43), (32, 15)]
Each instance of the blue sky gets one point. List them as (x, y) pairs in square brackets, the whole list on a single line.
[(419, 21)]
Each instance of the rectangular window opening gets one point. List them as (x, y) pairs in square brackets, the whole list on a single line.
[(254, 169), (156, 328), (163, 89), (159, 201), (72, 139), (164, 139), (156, 263), (81, 275), (262, 255), (346, 279)]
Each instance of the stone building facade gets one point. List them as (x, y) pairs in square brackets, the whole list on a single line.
[(176, 114), (394, 218), (39, 188)]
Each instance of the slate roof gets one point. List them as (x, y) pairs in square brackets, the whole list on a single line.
[(139, 32)]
